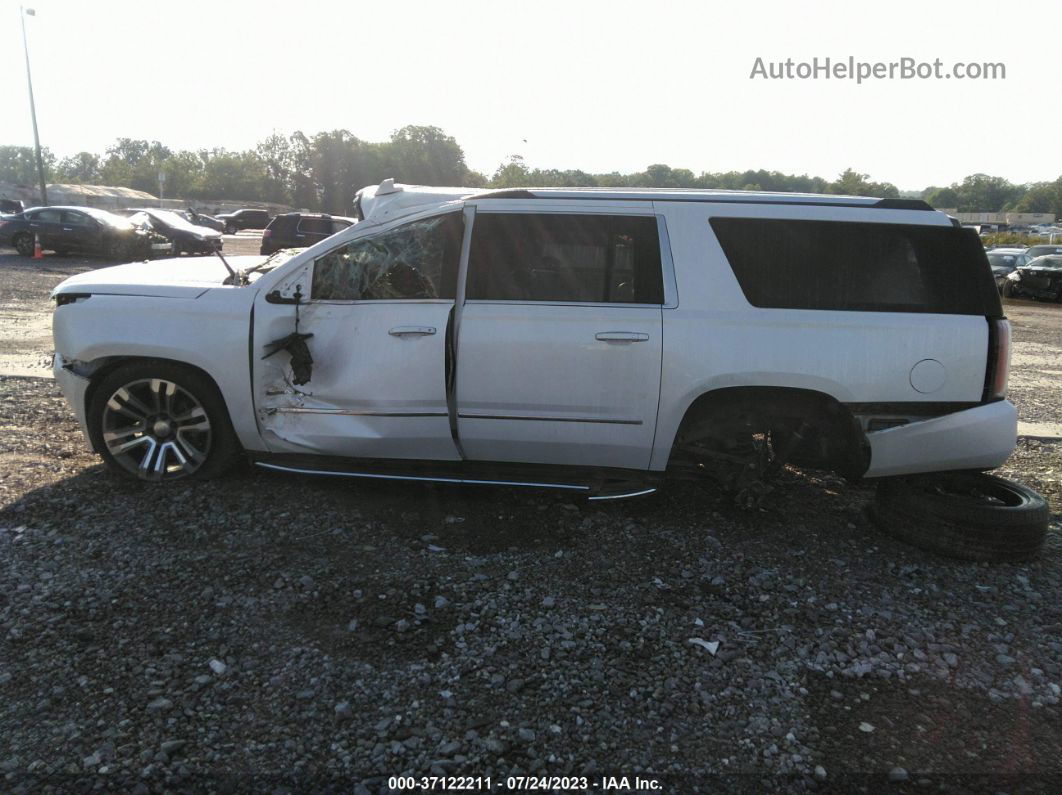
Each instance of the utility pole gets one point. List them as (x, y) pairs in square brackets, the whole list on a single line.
[(23, 13)]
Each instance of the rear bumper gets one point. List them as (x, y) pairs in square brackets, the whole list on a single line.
[(977, 438)]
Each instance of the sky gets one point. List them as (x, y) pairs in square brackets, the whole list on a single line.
[(598, 86)]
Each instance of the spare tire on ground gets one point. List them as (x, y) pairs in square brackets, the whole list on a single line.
[(964, 515)]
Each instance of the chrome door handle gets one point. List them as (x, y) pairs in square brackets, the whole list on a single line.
[(410, 331), (621, 336)]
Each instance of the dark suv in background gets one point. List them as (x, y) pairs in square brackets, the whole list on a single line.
[(244, 219), (298, 230)]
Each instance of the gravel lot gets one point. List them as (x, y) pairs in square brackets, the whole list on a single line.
[(267, 632)]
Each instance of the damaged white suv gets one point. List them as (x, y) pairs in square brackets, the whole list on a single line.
[(591, 340)]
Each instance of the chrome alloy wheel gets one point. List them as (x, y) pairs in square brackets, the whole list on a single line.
[(156, 430)]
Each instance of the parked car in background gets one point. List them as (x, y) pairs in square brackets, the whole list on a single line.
[(1043, 250), (185, 237), (1003, 262), (85, 230), (244, 219), (202, 219), (11, 206), (1041, 279), (298, 230)]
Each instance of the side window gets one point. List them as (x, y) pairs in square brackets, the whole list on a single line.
[(315, 226), (415, 260), (74, 218), (565, 258), (339, 226), (854, 266), (47, 217)]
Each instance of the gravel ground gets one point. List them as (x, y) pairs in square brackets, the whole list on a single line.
[(266, 632)]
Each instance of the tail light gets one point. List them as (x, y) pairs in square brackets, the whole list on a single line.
[(998, 370), (267, 233)]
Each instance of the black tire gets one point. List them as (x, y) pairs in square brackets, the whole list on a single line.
[(23, 243), (1008, 290), (970, 516), (220, 451), (230, 229), (176, 249)]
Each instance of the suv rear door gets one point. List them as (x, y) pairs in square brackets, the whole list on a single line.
[(560, 334)]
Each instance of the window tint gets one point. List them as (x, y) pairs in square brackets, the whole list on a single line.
[(74, 218), (856, 266), (339, 226), (315, 226), (567, 258), (415, 260), (47, 217)]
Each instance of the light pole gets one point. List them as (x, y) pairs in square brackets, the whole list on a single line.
[(23, 13)]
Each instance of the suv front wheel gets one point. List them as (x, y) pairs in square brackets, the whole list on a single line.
[(160, 421)]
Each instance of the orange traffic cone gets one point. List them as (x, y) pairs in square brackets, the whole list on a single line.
[(37, 253)]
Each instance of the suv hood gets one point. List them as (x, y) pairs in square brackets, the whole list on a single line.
[(184, 277)]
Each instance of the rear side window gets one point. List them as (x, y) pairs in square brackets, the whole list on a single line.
[(862, 267), (315, 226), (415, 260), (565, 258), (283, 224)]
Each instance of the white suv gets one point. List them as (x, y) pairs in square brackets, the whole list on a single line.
[(590, 340)]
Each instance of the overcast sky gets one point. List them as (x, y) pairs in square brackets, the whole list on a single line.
[(601, 86)]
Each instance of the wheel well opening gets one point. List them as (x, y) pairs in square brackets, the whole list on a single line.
[(805, 427), (110, 364)]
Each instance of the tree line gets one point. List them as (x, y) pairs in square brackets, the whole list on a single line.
[(324, 171)]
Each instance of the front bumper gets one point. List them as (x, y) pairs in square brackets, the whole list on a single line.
[(977, 438), (73, 387)]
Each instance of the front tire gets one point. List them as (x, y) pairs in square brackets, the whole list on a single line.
[(24, 244), (230, 229), (160, 421)]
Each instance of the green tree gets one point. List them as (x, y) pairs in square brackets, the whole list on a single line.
[(852, 183), (19, 165), (82, 169)]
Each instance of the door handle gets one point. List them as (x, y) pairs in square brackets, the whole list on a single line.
[(411, 331), (621, 336), (67, 229)]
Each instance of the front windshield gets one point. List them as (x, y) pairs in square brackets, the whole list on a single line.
[(1002, 260), (1052, 262)]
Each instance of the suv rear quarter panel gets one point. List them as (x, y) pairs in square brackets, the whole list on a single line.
[(715, 339)]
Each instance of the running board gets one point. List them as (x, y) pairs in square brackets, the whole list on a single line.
[(614, 491)]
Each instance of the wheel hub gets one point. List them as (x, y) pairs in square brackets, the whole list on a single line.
[(156, 429)]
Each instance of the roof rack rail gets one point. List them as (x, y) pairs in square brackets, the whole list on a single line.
[(903, 204)]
